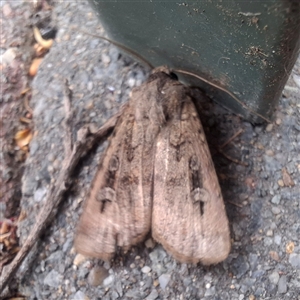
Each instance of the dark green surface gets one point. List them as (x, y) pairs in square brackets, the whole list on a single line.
[(247, 47)]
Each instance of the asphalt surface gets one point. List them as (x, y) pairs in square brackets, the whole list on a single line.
[(264, 212)]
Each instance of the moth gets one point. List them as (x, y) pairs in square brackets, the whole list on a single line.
[(156, 175)]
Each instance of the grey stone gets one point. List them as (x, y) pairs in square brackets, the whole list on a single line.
[(108, 280), (253, 259), (53, 279), (274, 277), (276, 210), (268, 241), (259, 292), (158, 254), (146, 269), (67, 245), (135, 294), (39, 194), (55, 256), (118, 286), (239, 266), (276, 199), (80, 296), (114, 295), (210, 292), (277, 239), (159, 269), (153, 295), (294, 260), (164, 280), (82, 272), (258, 274), (282, 285), (249, 282), (187, 281)]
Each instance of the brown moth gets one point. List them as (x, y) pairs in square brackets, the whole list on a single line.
[(157, 174)]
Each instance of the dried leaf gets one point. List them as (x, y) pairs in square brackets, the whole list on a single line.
[(286, 177), (290, 247), (274, 255), (23, 138), (4, 236), (47, 44), (4, 227), (34, 66), (39, 50)]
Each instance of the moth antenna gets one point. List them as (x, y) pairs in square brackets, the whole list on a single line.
[(142, 59), (223, 90), (126, 49)]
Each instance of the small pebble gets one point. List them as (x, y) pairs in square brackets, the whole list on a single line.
[(294, 260), (53, 279), (164, 280), (80, 296), (155, 283), (276, 199), (108, 280), (251, 297), (270, 152), (146, 269), (97, 275), (282, 285), (280, 183), (269, 232), (152, 296), (278, 121), (105, 58), (277, 239), (276, 210), (207, 286), (269, 127), (150, 243), (274, 255), (274, 277), (79, 259)]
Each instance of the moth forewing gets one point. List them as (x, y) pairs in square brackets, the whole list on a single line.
[(188, 215), (118, 210)]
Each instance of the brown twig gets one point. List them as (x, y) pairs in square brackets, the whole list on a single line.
[(226, 155), (238, 205), (233, 159), (85, 141), (68, 141), (26, 104), (232, 138)]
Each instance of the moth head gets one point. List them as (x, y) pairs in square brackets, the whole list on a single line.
[(166, 70)]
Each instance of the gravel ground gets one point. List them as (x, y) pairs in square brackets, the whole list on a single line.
[(264, 213)]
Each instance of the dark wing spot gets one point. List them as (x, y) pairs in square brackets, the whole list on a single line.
[(106, 195), (196, 174), (114, 164)]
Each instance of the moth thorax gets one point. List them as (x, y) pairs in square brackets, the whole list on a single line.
[(106, 194)]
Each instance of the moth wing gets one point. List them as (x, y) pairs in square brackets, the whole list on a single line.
[(188, 216), (117, 212)]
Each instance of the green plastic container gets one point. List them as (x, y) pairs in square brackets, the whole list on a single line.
[(247, 48)]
